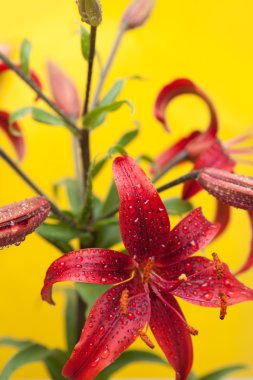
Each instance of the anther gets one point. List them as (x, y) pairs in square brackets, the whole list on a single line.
[(146, 339), (191, 330), (182, 277), (223, 305), (124, 301), (147, 269), (218, 266)]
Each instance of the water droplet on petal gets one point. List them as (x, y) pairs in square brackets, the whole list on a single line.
[(105, 353), (101, 330), (95, 362), (79, 259)]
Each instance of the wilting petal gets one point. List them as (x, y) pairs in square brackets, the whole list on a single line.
[(64, 91), (17, 141), (171, 334), (107, 333), (137, 13), (169, 154), (190, 235), (92, 265), (144, 221), (182, 87), (204, 285), (232, 189), (222, 217), (21, 218), (249, 262), (213, 157)]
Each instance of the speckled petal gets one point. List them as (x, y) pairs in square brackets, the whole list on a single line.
[(18, 141), (21, 218), (144, 221), (181, 87), (171, 334), (92, 265), (203, 285), (190, 235), (64, 91), (107, 333)]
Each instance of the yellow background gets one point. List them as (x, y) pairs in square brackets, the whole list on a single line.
[(207, 41)]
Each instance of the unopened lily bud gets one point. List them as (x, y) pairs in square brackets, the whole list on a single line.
[(137, 13), (90, 11), (20, 219), (232, 189)]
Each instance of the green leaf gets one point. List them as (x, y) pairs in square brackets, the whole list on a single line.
[(220, 373), (73, 192), (42, 116), (14, 342), (146, 158), (99, 165), (127, 358), (71, 318), (55, 362), (93, 118), (176, 206), (25, 51), (104, 223), (116, 149), (90, 293), (85, 43), (113, 93), (111, 202), (19, 114), (108, 236), (191, 376), (59, 232), (128, 137), (88, 201)]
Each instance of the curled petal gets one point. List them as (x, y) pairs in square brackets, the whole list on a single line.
[(249, 262), (144, 221), (171, 334), (21, 218), (137, 13), (64, 91), (18, 140), (92, 265), (204, 283), (193, 233), (169, 154), (232, 189), (222, 217), (107, 333), (213, 157), (181, 87)]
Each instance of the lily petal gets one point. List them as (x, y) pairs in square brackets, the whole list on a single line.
[(203, 285), (20, 219), (144, 221), (190, 235), (249, 262), (18, 142), (181, 87), (169, 154), (92, 265), (222, 216), (171, 334), (107, 333), (64, 91), (214, 157)]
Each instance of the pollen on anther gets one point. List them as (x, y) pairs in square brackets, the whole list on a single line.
[(182, 277), (124, 301), (191, 330), (218, 266), (223, 305), (145, 339)]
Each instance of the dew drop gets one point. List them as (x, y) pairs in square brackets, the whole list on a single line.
[(130, 316), (79, 259), (208, 296), (95, 362), (105, 353), (101, 330), (194, 245), (78, 266)]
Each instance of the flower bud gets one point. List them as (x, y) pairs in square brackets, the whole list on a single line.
[(137, 13), (90, 11), (234, 190), (20, 219)]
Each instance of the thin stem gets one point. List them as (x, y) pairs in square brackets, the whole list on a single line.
[(49, 102), (187, 177), (64, 218), (108, 65), (176, 160)]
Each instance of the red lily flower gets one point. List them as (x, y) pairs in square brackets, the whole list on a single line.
[(204, 149), (21, 218), (157, 267)]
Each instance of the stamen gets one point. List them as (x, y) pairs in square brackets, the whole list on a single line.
[(223, 305), (218, 266), (146, 339), (182, 277), (191, 330), (147, 269), (124, 302)]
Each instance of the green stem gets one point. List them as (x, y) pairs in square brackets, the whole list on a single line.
[(176, 160), (64, 218), (49, 102)]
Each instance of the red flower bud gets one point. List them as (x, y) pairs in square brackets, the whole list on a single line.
[(137, 13), (232, 189), (20, 219)]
